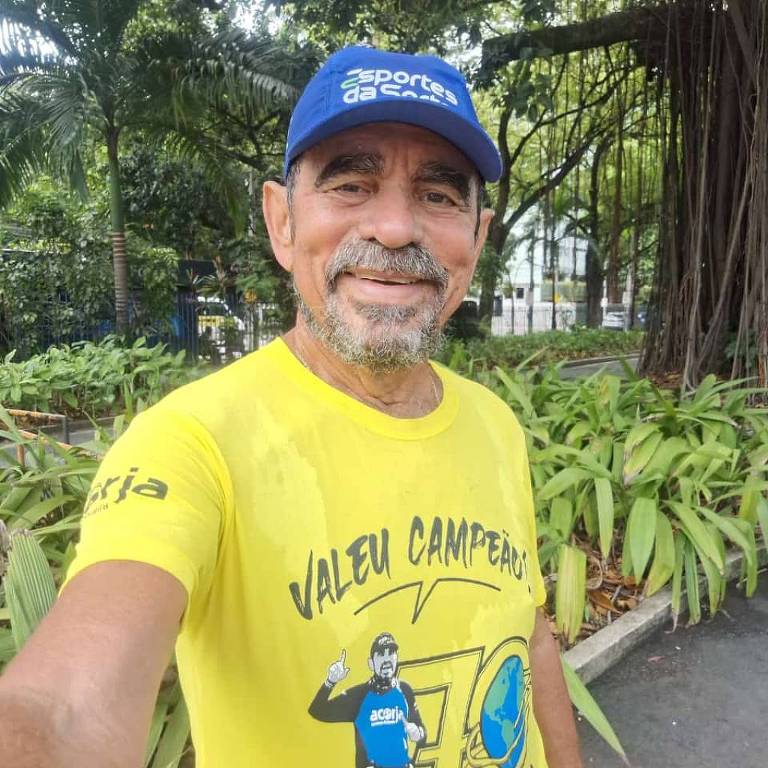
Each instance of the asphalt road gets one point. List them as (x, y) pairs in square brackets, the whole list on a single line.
[(695, 698)]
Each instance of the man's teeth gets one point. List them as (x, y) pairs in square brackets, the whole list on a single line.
[(397, 280)]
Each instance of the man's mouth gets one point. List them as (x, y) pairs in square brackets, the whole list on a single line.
[(384, 278)]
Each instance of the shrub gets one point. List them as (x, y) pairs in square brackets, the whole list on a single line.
[(548, 346), (93, 379)]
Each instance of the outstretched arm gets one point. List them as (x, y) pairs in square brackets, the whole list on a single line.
[(551, 703), (80, 693)]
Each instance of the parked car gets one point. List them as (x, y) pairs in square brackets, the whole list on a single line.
[(219, 324), (614, 317)]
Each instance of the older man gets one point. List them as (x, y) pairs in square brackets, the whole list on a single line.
[(333, 486)]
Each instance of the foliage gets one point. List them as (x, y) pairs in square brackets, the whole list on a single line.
[(651, 482), (107, 78), (41, 501), (547, 346), (92, 379), (56, 274)]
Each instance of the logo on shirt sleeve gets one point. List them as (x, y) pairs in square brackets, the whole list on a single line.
[(115, 489)]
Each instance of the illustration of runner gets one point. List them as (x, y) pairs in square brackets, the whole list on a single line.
[(383, 709)]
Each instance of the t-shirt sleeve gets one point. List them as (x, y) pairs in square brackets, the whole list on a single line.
[(159, 497), (532, 561)]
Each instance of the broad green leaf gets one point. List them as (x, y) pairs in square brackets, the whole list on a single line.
[(604, 498), (517, 393), (641, 530), (748, 506), (170, 748), (583, 701), (663, 565), (34, 514), (667, 452), (29, 588), (577, 432), (715, 582), (731, 528), (677, 576), (562, 481), (561, 516), (570, 591), (637, 435), (617, 463), (762, 516), (692, 584), (640, 457), (155, 728), (694, 527)]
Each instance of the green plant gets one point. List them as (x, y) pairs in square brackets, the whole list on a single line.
[(549, 346), (653, 482), (93, 379), (41, 503)]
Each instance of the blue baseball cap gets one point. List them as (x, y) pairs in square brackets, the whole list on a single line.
[(358, 85)]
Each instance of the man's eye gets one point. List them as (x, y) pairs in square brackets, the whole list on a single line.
[(438, 198), (350, 188)]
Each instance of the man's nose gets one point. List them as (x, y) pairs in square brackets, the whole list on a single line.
[(391, 219)]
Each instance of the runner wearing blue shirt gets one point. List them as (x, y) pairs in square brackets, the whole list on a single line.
[(383, 709)]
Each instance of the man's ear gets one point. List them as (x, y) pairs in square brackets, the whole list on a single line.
[(486, 215), (370, 664), (277, 217)]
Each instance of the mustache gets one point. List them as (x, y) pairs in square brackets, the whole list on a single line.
[(364, 254)]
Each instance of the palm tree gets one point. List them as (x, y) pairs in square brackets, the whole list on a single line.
[(71, 70)]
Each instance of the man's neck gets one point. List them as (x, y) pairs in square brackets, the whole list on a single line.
[(405, 394)]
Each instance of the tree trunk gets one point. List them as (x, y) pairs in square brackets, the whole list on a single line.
[(117, 216), (712, 278), (594, 261)]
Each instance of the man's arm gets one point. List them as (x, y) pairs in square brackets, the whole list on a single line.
[(81, 692), (551, 703), (341, 709)]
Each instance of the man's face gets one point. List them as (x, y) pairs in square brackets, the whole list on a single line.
[(384, 663), (383, 240)]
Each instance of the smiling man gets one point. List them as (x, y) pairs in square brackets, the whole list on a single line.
[(332, 486)]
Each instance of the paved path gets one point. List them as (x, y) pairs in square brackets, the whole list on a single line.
[(584, 371), (695, 698)]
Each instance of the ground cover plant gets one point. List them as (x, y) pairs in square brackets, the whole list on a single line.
[(549, 347), (43, 490), (638, 488), (92, 379)]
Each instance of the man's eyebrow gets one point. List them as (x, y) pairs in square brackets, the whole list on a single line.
[(368, 163), (442, 173)]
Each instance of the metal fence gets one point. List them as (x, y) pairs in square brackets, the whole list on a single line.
[(206, 328), (520, 319)]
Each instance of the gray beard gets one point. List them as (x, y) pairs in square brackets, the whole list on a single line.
[(383, 345)]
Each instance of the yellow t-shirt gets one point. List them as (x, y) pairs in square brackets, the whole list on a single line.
[(361, 588)]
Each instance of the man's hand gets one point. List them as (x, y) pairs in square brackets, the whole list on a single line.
[(414, 732), (338, 671)]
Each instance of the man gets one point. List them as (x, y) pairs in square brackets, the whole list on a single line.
[(383, 708), (332, 484)]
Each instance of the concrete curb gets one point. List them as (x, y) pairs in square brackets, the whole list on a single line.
[(598, 653), (598, 360)]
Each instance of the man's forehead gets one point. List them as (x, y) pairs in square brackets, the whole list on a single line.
[(384, 139)]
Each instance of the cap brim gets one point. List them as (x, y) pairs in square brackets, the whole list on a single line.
[(470, 139)]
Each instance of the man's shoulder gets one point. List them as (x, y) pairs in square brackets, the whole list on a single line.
[(217, 397), (405, 688)]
